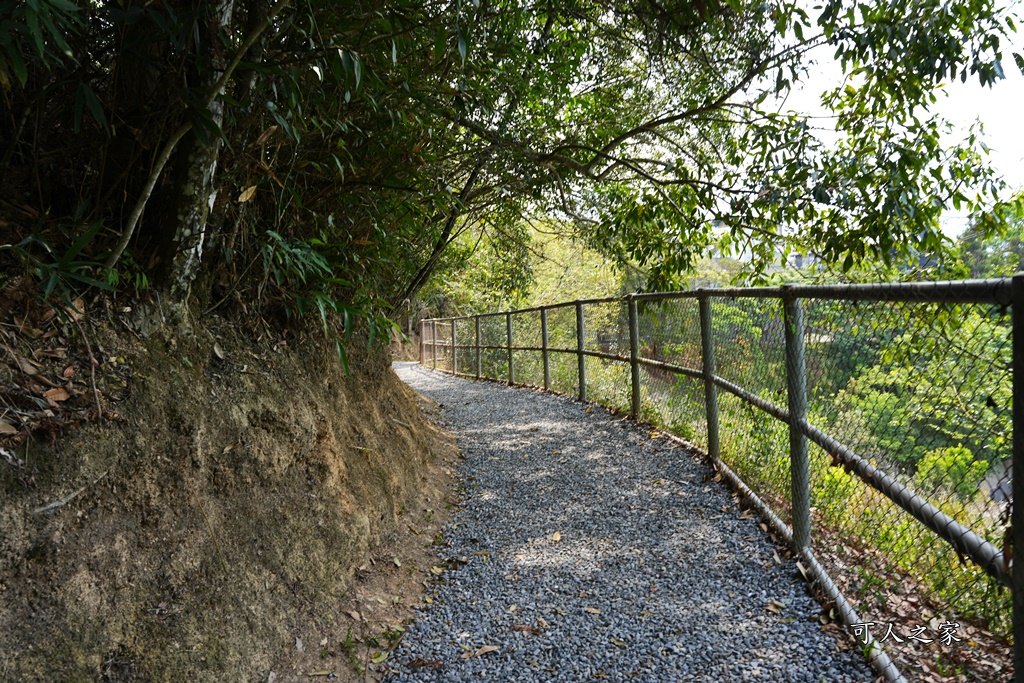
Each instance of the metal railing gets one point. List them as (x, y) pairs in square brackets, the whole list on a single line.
[(901, 403)]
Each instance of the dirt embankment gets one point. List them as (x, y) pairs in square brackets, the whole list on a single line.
[(220, 517)]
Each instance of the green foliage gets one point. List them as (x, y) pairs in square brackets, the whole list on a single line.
[(565, 269), (954, 467), (292, 261), (34, 30), (60, 273), (937, 382), (484, 273), (128, 274), (304, 279), (519, 267), (608, 384)]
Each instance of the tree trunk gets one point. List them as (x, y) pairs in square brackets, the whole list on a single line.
[(196, 190)]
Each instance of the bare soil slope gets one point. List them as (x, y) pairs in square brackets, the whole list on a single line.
[(223, 505)]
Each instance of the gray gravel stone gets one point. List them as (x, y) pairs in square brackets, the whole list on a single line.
[(649, 579)]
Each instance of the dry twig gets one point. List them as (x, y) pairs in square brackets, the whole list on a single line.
[(92, 366), (67, 499)]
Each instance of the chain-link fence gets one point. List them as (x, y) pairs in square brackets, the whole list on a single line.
[(872, 424)]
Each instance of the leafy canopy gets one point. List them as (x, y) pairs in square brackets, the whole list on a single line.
[(369, 141)]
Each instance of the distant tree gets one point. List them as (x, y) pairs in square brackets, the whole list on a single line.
[(994, 255)]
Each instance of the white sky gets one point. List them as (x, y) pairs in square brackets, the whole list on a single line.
[(1000, 110)]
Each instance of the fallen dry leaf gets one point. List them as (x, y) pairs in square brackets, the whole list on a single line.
[(354, 614), (247, 194), (482, 651), (76, 310), (556, 537), (57, 394), (69, 371), (28, 330), (7, 428), (591, 610), (420, 663), (27, 366)]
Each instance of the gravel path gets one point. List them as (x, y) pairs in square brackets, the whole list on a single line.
[(596, 552)]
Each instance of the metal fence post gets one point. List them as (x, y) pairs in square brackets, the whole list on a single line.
[(478, 364), (423, 330), (796, 390), (508, 338), (544, 348), (707, 350), (1017, 511), (455, 351), (581, 360), (634, 355), (433, 343)]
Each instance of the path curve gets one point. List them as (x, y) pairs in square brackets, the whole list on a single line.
[(647, 579)]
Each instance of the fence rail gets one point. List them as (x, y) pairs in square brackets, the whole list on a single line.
[(901, 403)]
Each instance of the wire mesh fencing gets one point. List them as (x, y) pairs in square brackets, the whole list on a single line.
[(563, 362), (668, 332), (749, 343), (921, 390), (493, 347), (606, 343), (873, 424)]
